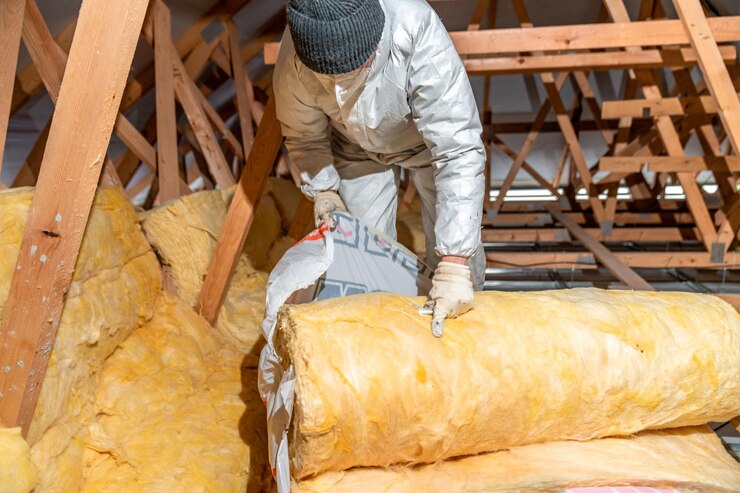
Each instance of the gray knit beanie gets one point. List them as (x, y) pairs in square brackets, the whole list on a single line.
[(335, 36)]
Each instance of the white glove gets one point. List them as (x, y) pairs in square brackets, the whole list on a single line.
[(324, 204), (451, 294)]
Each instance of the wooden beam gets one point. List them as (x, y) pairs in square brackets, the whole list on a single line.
[(184, 45), (11, 23), (240, 85), (670, 137), (29, 172), (28, 81), (560, 235), (659, 107), (51, 60), (710, 60), (586, 260), (621, 271), (505, 65), (167, 164), (525, 149), (99, 62), (670, 164), (564, 120), (303, 219), (196, 115), (621, 218), (734, 300), (241, 213), (574, 37)]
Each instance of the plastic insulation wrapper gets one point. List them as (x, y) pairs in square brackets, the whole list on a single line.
[(351, 259)]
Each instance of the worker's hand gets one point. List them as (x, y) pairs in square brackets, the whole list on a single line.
[(324, 204), (451, 294)]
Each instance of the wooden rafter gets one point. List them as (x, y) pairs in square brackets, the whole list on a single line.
[(241, 214), (100, 58)]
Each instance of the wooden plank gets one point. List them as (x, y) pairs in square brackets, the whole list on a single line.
[(620, 218), (186, 94), (710, 60), (734, 300), (564, 120), (28, 81), (48, 55), (659, 107), (198, 59), (506, 65), (167, 161), (670, 164), (99, 61), (561, 235), (573, 37), (184, 44), (240, 84), (621, 271), (670, 138), (303, 220), (525, 149), (241, 213), (29, 172), (586, 260), (11, 23)]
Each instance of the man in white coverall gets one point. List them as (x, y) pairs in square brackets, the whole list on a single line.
[(366, 87)]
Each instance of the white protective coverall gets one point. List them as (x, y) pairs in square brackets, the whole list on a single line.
[(412, 107)]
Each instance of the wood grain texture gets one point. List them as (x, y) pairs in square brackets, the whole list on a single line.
[(99, 61), (710, 60), (621, 271), (11, 23), (241, 213), (167, 160), (573, 37)]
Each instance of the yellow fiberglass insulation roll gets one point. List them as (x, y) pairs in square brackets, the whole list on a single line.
[(374, 387), (691, 459)]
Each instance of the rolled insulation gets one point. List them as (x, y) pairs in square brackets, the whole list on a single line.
[(18, 474), (374, 387), (689, 459)]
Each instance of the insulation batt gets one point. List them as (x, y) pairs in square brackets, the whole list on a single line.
[(374, 387), (690, 459), (176, 413), (18, 474), (184, 233), (114, 288)]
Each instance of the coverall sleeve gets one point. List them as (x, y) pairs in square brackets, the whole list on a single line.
[(304, 126), (446, 116)]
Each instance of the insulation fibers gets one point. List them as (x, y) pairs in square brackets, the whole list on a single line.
[(691, 459), (184, 233), (18, 474), (114, 287), (175, 412), (374, 387), (410, 229)]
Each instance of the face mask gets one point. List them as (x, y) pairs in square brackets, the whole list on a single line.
[(340, 84)]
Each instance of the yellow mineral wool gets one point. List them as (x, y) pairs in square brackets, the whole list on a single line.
[(690, 459), (374, 387), (114, 288), (17, 473), (184, 233), (175, 412)]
